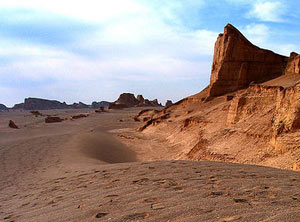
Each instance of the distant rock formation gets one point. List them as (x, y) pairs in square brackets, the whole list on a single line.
[(3, 107), (12, 125), (18, 106), (293, 66), (237, 62), (97, 105), (43, 104), (79, 105), (169, 103), (127, 100)]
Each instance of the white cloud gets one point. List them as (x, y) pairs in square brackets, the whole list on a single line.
[(256, 33), (269, 11)]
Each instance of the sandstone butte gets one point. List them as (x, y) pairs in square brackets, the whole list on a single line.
[(249, 113), (127, 100)]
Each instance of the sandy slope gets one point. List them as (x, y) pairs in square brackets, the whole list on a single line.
[(62, 172)]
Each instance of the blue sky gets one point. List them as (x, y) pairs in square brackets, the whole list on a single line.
[(96, 49)]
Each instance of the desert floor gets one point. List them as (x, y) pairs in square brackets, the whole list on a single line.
[(98, 169)]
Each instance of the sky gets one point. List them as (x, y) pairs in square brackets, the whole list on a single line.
[(94, 50)]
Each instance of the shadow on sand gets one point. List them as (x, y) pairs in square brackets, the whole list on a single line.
[(106, 148)]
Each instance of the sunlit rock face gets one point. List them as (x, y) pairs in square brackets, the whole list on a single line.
[(237, 62)]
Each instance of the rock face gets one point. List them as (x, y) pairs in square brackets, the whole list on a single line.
[(293, 66), (12, 125), (237, 62), (43, 104), (169, 103), (3, 107)]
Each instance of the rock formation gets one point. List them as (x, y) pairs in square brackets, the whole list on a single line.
[(18, 106), (140, 98), (97, 105), (79, 105), (53, 119), (293, 66), (3, 107), (237, 62), (169, 103), (43, 104), (127, 100), (257, 121), (12, 125), (36, 113)]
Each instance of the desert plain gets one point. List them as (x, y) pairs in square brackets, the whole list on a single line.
[(86, 170)]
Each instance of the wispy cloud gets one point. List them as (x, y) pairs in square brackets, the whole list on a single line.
[(103, 48), (268, 11)]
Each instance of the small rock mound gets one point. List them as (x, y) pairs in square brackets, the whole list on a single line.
[(53, 119), (36, 113), (12, 125), (78, 116)]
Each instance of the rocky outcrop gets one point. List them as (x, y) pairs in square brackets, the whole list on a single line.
[(169, 103), (3, 107), (18, 106), (79, 116), (36, 113), (140, 98), (237, 63), (79, 105), (43, 104), (293, 66), (127, 99), (53, 119), (12, 125)]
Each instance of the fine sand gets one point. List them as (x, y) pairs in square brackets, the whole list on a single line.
[(98, 169)]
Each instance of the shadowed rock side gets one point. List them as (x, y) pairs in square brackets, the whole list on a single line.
[(237, 62), (43, 104), (3, 107), (257, 125)]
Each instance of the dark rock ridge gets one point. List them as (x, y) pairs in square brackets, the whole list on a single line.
[(97, 105), (237, 63), (43, 104), (127, 100), (3, 107), (18, 106), (79, 105), (169, 103)]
